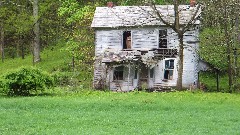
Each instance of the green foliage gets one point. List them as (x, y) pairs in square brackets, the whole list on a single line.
[(79, 37), (75, 11), (64, 79), (213, 48), (25, 80)]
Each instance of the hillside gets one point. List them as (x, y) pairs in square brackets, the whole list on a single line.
[(51, 59)]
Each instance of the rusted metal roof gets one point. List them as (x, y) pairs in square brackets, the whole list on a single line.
[(132, 16)]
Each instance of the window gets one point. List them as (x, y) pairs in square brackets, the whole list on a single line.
[(118, 73), (135, 74), (169, 67), (127, 40), (151, 72), (163, 38)]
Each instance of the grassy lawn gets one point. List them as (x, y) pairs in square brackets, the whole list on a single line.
[(90, 112), (209, 80), (50, 60)]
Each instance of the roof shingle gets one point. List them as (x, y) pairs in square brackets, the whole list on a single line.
[(130, 16)]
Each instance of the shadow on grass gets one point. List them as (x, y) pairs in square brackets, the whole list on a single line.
[(30, 95)]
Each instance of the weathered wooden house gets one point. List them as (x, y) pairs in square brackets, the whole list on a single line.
[(133, 49)]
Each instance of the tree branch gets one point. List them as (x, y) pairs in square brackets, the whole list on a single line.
[(192, 21), (160, 16)]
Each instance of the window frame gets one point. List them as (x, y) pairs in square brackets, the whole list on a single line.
[(124, 39), (117, 73), (163, 37), (169, 68)]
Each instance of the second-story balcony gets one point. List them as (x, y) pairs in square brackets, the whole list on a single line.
[(113, 55)]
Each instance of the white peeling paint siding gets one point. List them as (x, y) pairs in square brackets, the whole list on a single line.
[(104, 39), (145, 39), (173, 41), (190, 65), (111, 39)]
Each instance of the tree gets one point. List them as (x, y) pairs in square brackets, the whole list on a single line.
[(36, 41), (79, 35), (2, 22), (2, 42), (16, 22), (221, 16), (180, 29)]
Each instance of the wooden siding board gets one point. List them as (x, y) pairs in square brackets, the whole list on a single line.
[(145, 37)]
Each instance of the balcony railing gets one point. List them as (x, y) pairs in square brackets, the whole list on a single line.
[(113, 55)]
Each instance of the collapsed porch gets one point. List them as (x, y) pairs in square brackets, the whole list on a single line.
[(138, 65)]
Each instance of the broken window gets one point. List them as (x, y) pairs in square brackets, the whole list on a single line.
[(163, 38), (169, 67), (127, 40), (118, 73)]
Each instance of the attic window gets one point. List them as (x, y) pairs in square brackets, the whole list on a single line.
[(118, 73), (127, 40), (163, 38), (169, 67)]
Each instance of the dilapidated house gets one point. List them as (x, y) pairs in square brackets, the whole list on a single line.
[(134, 50)]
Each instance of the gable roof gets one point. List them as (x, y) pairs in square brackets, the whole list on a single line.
[(130, 16)]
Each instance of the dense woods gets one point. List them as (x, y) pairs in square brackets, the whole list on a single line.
[(28, 27)]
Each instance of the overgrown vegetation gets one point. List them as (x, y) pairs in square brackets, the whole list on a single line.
[(25, 81)]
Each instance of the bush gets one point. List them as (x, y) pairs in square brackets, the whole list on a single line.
[(24, 81), (65, 79)]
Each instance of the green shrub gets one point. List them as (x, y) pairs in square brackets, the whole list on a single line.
[(65, 79), (24, 81)]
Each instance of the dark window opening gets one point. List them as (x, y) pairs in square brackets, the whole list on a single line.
[(127, 40), (168, 74), (151, 73), (163, 38), (135, 74), (169, 64), (169, 67), (118, 73)]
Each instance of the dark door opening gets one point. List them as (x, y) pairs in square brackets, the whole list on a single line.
[(143, 77)]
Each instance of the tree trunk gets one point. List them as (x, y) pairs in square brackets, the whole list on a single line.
[(227, 40), (2, 43), (36, 41), (73, 62), (180, 63), (22, 49), (18, 46)]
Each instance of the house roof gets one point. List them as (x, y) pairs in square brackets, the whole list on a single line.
[(130, 16)]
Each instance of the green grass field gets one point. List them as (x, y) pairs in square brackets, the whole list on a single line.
[(94, 112)]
